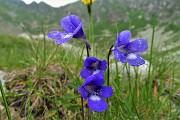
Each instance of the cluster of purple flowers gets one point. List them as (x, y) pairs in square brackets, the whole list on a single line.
[(93, 88), (93, 72)]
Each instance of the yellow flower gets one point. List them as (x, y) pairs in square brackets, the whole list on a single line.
[(87, 2)]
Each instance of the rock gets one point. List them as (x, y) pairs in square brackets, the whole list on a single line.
[(142, 70), (2, 74)]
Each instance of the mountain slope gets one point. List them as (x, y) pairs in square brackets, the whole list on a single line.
[(17, 15)]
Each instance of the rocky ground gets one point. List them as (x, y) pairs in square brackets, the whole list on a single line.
[(19, 90)]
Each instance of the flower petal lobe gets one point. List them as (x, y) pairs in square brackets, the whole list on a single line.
[(135, 59), (97, 104)]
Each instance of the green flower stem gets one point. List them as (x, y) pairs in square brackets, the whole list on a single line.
[(89, 9), (5, 102), (92, 34), (91, 31)]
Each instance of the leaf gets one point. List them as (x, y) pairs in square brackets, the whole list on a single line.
[(72, 85)]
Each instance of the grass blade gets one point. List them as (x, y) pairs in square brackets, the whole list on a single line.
[(5, 102)]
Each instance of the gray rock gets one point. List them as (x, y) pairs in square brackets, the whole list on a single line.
[(2, 74), (142, 70)]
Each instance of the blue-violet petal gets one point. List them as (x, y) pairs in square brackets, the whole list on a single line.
[(97, 104), (123, 38), (135, 59), (138, 45), (83, 92), (119, 56), (106, 91)]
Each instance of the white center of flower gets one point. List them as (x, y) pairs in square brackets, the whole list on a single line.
[(122, 49), (67, 35), (96, 71), (131, 56), (95, 98)]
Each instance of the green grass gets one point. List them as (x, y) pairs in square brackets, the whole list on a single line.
[(129, 101), (15, 52), (57, 95)]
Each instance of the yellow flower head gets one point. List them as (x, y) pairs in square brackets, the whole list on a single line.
[(87, 2)]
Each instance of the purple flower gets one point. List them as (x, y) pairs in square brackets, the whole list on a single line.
[(93, 66), (73, 29), (126, 51), (93, 90)]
